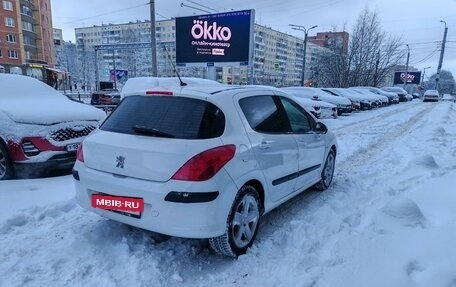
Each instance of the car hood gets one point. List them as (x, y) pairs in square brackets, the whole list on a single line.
[(49, 111)]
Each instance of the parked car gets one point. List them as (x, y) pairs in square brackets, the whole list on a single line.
[(393, 98), (343, 105), (448, 98), (377, 100), (358, 102), (105, 97), (403, 95), (40, 128), (320, 109), (201, 161), (431, 96)]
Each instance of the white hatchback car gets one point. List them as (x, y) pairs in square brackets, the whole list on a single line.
[(431, 95), (202, 161)]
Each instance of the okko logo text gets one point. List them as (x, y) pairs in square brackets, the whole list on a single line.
[(201, 29)]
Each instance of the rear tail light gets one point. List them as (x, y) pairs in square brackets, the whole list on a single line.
[(80, 154), (205, 165)]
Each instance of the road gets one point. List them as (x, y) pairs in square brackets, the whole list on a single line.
[(384, 155)]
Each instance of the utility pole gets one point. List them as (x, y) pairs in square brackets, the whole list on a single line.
[(406, 67), (306, 31), (115, 69), (97, 76), (153, 40), (442, 51)]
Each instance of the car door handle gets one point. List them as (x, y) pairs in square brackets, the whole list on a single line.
[(265, 144)]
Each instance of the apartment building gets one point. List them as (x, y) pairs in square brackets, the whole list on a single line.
[(26, 39), (331, 40)]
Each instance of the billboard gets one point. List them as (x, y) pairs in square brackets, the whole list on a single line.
[(215, 38), (412, 78), (121, 75)]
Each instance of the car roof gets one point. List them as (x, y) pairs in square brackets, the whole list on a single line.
[(195, 87)]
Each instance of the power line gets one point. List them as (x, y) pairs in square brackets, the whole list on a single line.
[(427, 57), (201, 5), (104, 14)]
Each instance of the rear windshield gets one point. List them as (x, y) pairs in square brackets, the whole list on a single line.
[(166, 116)]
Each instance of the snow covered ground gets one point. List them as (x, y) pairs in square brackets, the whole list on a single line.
[(389, 219)]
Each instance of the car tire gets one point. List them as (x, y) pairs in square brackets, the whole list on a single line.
[(327, 172), (242, 224), (6, 167)]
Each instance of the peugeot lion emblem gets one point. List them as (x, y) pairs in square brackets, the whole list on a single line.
[(120, 161)]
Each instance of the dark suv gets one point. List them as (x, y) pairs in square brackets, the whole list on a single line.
[(105, 97)]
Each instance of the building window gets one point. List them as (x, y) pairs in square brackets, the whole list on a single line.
[(26, 11), (27, 26), (11, 38), (1, 55), (8, 5), (12, 54), (9, 22), (29, 41)]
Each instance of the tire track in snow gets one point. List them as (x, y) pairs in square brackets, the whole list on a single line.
[(356, 126), (367, 153)]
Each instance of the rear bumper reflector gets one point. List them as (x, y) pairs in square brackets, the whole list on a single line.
[(191, 197)]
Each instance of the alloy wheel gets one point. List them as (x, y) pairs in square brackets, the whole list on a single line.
[(329, 169), (245, 221)]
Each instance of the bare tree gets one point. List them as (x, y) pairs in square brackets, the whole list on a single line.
[(371, 56)]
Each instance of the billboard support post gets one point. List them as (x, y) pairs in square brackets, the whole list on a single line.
[(211, 74), (252, 47)]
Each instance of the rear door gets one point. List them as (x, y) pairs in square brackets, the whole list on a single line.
[(311, 145), (274, 147)]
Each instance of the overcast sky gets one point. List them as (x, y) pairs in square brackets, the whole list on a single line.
[(416, 22)]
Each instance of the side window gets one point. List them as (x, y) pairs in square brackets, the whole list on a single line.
[(299, 121), (263, 115)]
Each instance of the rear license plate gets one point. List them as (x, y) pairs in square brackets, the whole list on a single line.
[(72, 147), (129, 206)]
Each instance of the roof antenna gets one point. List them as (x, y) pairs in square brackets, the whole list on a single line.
[(182, 83)]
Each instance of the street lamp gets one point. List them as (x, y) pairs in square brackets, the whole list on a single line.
[(424, 73), (306, 31)]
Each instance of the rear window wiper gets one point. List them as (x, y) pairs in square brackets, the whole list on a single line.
[(151, 132)]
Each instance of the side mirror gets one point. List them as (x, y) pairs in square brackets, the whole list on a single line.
[(321, 128)]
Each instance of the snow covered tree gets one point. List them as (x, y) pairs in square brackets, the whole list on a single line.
[(447, 84)]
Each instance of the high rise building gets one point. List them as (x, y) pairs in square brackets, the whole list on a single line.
[(26, 39)]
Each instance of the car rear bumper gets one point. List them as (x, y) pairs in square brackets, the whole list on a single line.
[(189, 220)]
